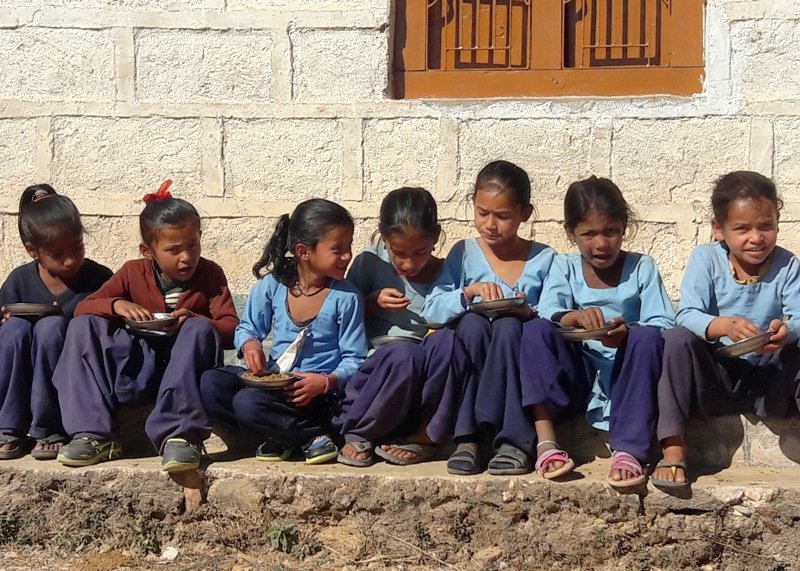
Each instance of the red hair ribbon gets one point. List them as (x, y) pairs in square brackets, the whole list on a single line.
[(161, 193)]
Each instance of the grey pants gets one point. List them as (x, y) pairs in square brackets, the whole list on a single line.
[(695, 381)]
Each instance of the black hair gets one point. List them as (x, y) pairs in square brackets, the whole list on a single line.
[(46, 216), (308, 224), (504, 176), (409, 208), (739, 185), (162, 212), (599, 195)]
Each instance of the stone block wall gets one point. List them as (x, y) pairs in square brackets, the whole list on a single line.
[(253, 105)]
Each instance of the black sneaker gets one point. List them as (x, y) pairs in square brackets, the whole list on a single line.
[(179, 455), (273, 452), (85, 451), (321, 449)]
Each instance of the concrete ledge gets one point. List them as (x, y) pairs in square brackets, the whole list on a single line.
[(244, 514), (335, 517)]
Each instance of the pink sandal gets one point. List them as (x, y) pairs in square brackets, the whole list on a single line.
[(623, 461), (553, 455)]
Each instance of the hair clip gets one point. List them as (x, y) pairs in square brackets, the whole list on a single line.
[(161, 193), (40, 195)]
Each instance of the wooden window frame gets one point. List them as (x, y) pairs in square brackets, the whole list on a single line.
[(559, 53)]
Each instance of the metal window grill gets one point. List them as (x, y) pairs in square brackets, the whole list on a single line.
[(618, 33), (479, 34)]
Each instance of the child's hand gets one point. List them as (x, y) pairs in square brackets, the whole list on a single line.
[(487, 291), (737, 328), (254, 358), (303, 391), (391, 299), (589, 318), (617, 336), (6, 314), (130, 310), (777, 339)]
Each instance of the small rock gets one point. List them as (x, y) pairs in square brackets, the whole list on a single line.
[(480, 488), (502, 565), (759, 494), (728, 495), (488, 554), (507, 497), (743, 510), (169, 554)]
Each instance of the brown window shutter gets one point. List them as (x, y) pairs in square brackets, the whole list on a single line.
[(518, 48)]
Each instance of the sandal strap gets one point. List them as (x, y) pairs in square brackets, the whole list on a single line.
[(550, 456), (361, 446), (8, 438), (624, 461)]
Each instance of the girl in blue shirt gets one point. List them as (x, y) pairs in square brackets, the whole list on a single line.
[(617, 373), (317, 324), (497, 264), (401, 404), (737, 287)]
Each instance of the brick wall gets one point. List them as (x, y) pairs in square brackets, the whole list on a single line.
[(253, 105)]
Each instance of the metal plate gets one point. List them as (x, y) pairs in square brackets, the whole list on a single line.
[(578, 334), (31, 309), (745, 346), (497, 305), (385, 339), (270, 382), (161, 322)]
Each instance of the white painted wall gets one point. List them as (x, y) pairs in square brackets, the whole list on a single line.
[(253, 105)]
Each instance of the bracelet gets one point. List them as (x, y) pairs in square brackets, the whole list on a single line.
[(329, 383)]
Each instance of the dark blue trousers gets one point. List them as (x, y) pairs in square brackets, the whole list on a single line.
[(29, 351), (695, 382), (492, 400), (403, 386), (104, 367), (262, 414), (555, 374)]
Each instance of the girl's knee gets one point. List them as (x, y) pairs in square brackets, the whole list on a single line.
[(680, 337), (507, 329), (199, 328), (86, 325), (472, 324), (649, 336), (16, 328), (51, 329)]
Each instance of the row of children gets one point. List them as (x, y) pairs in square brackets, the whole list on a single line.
[(450, 373)]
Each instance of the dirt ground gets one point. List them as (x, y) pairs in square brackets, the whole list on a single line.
[(132, 517)]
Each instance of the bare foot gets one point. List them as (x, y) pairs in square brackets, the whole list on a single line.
[(419, 437), (673, 450), (47, 446), (554, 465), (349, 451)]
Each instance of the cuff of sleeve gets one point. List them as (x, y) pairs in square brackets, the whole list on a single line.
[(699, 325)]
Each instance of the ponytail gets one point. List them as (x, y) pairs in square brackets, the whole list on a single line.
[(308, 224), (274, 258), (45, 216)]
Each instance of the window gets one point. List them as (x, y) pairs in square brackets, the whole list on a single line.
[(518, 48)]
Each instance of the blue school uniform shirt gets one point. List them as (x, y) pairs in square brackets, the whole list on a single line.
[(708, 290), (639, 297), (372, 270), (467, 264), (335, 341)]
